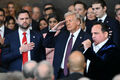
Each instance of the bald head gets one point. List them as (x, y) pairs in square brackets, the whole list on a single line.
[(117, 77), (44, 71), (76, 62), (28, 69)]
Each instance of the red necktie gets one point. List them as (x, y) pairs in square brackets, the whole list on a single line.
[(24, 54)]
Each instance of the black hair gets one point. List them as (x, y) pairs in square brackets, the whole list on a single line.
[(22, 11), (8, 18), (47, 4), (104, 27), (53, 15), (79, 2), (102, 2), (2, 11)]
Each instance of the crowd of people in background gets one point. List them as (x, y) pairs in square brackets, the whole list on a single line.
[(38, 44)]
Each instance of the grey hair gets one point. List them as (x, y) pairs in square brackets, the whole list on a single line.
[(28, 71), (49, 73), (72, 13)]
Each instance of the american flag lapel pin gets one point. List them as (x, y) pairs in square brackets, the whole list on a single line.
[(80, 37), (33, 36)]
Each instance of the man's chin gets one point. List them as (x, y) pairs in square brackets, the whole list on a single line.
[(24, 27)]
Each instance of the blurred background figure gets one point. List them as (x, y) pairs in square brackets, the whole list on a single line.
[(71, 7), (42, 23), (47, 5), (6, 11), (117, 14), (90, 14), (10, 22), (84, 78), (117, 77), (14, 76), (81, 9), (117, 6), (91, 18), (36, 13), (44, 71), (33, 24), (52, 21), (48, 11), (28, 70), (11, 8), (28, 8)]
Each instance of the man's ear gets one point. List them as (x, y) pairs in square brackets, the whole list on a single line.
[(78, 22), (106, 34), (105, 8)]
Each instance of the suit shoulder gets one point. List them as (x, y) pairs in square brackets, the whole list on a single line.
[(11, 34)]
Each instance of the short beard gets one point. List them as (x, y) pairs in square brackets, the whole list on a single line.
[(24, 28)]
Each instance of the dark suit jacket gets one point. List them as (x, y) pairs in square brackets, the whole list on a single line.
[(115, 28), (89, 24), (11, 56), (105, 63), (7, 31), (59, 44), (35, 25), (73, 76)]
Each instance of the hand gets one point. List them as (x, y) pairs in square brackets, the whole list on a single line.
[(2, 40), (27, 47), (87, 44), (59, 26)]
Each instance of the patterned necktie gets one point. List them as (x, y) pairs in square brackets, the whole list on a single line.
[(68, 51), (24, 54)]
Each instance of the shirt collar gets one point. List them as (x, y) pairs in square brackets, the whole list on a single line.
[(103, 18), (27, 31), (100, 44), (76, 33), (2, 28)]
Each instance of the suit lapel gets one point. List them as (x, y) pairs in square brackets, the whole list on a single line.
[(78, 40), (64, 40), (16, 39), (32, 39), (105, 47)]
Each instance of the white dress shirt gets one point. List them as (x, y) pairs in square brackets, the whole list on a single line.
[(2, 29), (95, 49), (74, 39), (103, 18), (28, 39)]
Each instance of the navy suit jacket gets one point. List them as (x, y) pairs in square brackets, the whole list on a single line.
[(11, 56), (7, 31), (105, 63), (59, 43), (115, 28)]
